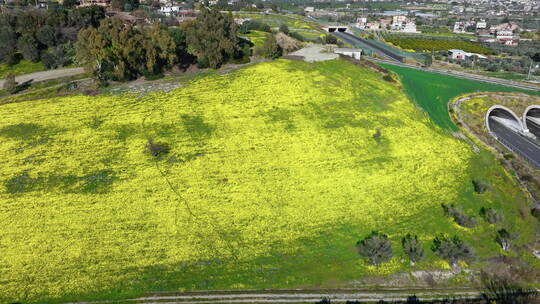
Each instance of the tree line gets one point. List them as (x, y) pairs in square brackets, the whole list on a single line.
[(376, 247), (44, 35)]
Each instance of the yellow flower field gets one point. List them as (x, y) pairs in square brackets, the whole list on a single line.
[(273, 174)]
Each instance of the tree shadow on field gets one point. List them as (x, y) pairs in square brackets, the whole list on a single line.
[(196, 127), (97, 182)]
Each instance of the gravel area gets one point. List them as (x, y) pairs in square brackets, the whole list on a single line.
[(315, 52)]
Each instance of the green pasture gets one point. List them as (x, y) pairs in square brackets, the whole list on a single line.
[(432, 91), (22, 67)]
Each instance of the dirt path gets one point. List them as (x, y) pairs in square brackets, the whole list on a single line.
[(46, 75), (300, 296)]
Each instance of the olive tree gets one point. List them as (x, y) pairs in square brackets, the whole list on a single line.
[(413, 248), (376, 248)]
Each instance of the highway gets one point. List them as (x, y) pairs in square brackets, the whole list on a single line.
[(497, 81), (394, 59), (354, 40), (534, 127), (516, 142)]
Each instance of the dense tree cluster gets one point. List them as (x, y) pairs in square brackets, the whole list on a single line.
[(118, 51), (38, 34), (212, 38)]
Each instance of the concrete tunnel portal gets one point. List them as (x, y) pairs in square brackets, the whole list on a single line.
[(531, 120), (503, 116), (333, 29)]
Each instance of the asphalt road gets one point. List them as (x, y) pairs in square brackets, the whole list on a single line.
[(516, 142), (534, 128), (351, 39)]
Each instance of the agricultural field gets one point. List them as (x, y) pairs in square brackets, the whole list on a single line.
[(256, 37), (309, 35), (427, 45), (432, 91), (272, 175), (22, 67), (275, 20)]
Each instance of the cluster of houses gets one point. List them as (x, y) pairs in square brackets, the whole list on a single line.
[(397, 23), (502, 33)]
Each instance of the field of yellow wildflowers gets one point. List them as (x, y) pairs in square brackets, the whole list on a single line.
[(273, 175)]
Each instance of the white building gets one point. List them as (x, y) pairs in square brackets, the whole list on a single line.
[(309, 9), (169, 9), (461, 55), (460, 27), (398, 19), (503, 35), (480, 25), (410, 27)]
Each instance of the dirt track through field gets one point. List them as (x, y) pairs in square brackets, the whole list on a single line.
[(46, 75)]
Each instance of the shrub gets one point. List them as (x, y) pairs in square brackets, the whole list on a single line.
[(491, 215), (330, 39), (452, 249), (377, 135), (156, 148), (459, 217), (504, 239), (413, 248), (388, 78), (10, 85), (479, 186), (270, 48), (284, 29), (376, 248)]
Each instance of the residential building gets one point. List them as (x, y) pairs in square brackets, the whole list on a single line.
[(462, 55)]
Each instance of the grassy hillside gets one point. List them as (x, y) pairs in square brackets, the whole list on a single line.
[(272, 177), (432, 91)]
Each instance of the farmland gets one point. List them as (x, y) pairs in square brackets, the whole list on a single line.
[(275, 20), (273, 174), (432, 91), (427, 45), (256, 37)]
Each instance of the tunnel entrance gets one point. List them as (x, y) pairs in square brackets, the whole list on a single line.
[(332, 29), (499, 116), (342, 29), (532, 120)]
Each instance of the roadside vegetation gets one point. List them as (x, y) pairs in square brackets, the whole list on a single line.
[(273, 176)]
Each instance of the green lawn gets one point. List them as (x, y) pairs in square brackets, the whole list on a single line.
[(23, 67), (432, 91), (273, 174)]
